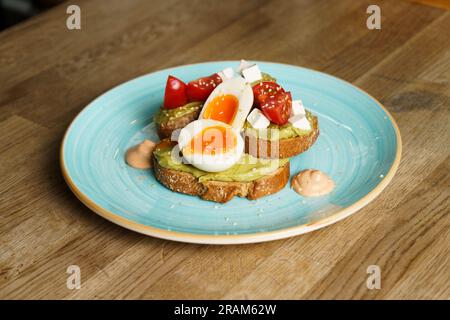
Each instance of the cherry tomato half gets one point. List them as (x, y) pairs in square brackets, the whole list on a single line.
[(265, 89), (175, 95), (278, 108), (200, 89)]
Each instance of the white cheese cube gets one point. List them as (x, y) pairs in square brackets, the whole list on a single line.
[(227, 73), (244, 65), (299, 121), (257, 119), (252, 74), (298, 108)]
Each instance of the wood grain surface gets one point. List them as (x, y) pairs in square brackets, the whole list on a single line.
[(48, 74)]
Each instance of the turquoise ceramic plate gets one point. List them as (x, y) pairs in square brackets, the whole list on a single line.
[(359, 147)]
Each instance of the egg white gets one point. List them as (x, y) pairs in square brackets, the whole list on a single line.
[(209, 163), (239, 88)]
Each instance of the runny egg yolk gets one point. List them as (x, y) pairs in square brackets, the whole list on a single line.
[(211, 141), (222, 108)]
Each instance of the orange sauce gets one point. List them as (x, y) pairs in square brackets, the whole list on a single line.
[(312, 183), (212, 140), (222, 108), (140, 156)]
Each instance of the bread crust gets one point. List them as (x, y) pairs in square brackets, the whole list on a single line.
[(165, 129), (221, 191), (287, 148)]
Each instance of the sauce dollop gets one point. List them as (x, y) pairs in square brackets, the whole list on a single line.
[(140, 156), (312, 183)]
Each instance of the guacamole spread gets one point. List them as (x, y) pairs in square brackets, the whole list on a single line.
[(247, 169), (264, 77), (165, 115), (284, 132)]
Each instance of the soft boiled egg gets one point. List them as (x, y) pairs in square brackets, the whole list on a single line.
[(210, 145), (230, 103)]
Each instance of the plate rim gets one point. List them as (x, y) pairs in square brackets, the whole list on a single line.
[(241, 238)]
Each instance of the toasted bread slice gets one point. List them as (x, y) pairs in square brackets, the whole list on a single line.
[(166, 128), (220, 191), (286, 148)]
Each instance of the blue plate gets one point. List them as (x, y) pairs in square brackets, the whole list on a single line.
[(359, 147)]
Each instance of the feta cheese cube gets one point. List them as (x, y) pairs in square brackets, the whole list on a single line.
[(257, 119), (227, 73), (298, 108), (300, 121), (244, 65), (252, 74)]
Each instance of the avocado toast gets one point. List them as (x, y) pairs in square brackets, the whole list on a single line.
[(253, 179), (288, 143), (250, 157), (169, 120)]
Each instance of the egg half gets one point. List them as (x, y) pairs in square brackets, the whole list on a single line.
[(210, 145), (229, 103)]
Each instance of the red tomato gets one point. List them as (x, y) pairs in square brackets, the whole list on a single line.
[(278, 108), (175, 95), (265, 89), (200, 89)]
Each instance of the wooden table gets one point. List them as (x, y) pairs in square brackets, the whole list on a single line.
[(48, 74)]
